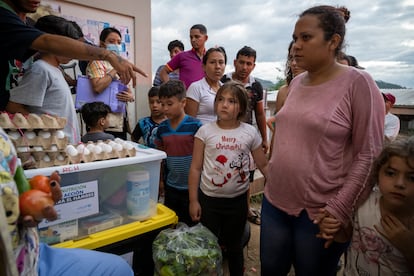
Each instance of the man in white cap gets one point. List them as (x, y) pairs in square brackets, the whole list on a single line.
[(392, 122)]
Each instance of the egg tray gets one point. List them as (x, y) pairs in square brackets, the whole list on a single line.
[(92, 156), (45, 143), (31, 121), (37, 157)]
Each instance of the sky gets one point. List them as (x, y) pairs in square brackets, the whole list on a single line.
[(380, 33)]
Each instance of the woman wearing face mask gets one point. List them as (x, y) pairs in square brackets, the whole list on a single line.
[(101, 74)]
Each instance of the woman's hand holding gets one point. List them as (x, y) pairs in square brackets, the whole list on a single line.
[(125, 96), (328, 226)]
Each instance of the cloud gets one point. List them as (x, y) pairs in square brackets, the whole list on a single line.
[(378, 31)]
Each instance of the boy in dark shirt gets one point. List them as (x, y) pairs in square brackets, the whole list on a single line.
[(95, 117), (147, 126)]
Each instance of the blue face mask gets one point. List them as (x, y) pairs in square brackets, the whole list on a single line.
[(117, 49)]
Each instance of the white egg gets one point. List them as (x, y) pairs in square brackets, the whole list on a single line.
[(97, 150), (128, 146), (118, 140), (107, 148), (46, 158), (38, 148), (100, 143), (23, 149), (30, 134), (54, 148), (60, 134), (112, 143), (90, 147), (14, 135), (86, 151), (60, 157), (44, 134), (71, 150), (80, 147), (117, 147)]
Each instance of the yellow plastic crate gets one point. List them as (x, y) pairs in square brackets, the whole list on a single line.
[(164, 217)]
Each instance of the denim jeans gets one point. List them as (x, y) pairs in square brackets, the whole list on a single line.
[(287, 240)]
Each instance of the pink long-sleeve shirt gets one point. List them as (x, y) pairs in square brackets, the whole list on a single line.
[(325, 141)]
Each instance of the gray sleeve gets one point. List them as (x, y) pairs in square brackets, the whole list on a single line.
[(32, 87)]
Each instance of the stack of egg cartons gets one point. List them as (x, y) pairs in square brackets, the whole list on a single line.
[(40, 142), (39, 139)]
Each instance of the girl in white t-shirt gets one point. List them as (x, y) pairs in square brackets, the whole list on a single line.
[(219, 173), (383, 226)]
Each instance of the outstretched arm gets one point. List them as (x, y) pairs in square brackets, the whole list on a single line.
[(64, 46), (164, 74)]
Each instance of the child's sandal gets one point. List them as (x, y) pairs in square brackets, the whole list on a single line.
[(254, 216)]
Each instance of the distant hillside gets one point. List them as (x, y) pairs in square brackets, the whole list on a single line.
[(386, 85), (381, 84), (265, 83)]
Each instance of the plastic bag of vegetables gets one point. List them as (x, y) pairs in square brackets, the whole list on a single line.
[(187, 251)]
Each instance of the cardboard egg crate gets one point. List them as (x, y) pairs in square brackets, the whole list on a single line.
[(32, 121), (40, 141), (101, 150), (75, 154)]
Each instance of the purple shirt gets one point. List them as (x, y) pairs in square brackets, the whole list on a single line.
[(190, 65), (326, 138)]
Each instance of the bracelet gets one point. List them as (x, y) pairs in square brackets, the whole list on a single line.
[(112, 77)]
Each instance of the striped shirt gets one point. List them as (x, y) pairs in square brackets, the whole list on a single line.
[(98, 69), (178, 145)]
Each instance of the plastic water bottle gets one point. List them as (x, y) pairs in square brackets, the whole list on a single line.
[(138, 195)]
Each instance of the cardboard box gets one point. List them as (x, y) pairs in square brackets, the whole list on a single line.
[(94, 187), (59, 233)]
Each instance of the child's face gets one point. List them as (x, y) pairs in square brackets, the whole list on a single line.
[(173, 107), (155, 106), (396, 183), (175, 52), (227, 106)]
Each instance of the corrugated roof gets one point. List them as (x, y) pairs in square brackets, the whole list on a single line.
[(403, 97)]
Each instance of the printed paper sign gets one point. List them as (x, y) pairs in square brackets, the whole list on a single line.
[(77, 201)]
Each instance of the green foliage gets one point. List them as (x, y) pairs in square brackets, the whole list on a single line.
[(279, 84)]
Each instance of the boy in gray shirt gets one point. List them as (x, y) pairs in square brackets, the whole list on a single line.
[(95, 117)]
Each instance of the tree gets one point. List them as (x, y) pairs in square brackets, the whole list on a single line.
[(280, 82)]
